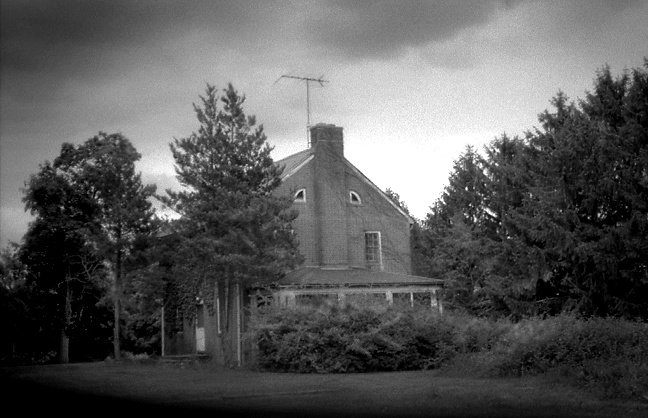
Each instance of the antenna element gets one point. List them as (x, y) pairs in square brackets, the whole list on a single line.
[(308, 80)]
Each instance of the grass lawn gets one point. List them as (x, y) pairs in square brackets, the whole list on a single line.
[(152, 388)]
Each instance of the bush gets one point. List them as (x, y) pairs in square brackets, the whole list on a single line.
[(607, 355), (361, 337)]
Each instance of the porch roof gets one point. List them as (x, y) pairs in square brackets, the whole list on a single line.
[(321, 277)]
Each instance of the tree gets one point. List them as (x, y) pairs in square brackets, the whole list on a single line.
[(234, 230), (588, 208), (91, 202), (15, 312), (557, 220), (395, 197), (458, 238), (52, 241)]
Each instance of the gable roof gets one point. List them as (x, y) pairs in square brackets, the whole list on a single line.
[(318, 277), (293, 163)]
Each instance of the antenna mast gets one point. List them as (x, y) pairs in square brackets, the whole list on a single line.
[(308, 80)]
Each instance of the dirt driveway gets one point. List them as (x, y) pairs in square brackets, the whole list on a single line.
[(121, 388)]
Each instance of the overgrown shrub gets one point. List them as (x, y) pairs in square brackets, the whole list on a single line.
[(359, 337), (607, 355)]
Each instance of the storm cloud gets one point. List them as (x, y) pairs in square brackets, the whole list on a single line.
[(411, 81)]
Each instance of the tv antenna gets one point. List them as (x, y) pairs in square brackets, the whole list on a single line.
[(308, 80)]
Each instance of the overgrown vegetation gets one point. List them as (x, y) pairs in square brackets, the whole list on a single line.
[(607, 355)]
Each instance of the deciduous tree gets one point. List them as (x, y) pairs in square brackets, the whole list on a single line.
[(90, 207)]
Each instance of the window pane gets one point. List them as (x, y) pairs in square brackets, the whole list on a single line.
[(372, 247), (402, 299), (360, 299), (300, 195), (423, 299)]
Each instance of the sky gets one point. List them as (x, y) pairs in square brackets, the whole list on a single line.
[(412, 82)]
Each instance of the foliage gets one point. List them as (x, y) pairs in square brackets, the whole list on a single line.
[(555, 221), (234, 230), (606, 355), (460, 240), (18, 322), (395, 197), (418, 260), (350, 338), (90, 208)]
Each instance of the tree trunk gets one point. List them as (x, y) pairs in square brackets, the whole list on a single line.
[(227, 353), (64, 348), (118, 296), (219, 349), (116, 330), (113, 270)]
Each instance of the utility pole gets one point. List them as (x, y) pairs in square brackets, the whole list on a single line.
[(308, 80)]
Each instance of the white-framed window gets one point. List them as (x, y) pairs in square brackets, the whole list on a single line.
[(300, 195), (354, 198), (373, 248)]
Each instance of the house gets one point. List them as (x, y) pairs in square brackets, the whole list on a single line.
[(355, 240)]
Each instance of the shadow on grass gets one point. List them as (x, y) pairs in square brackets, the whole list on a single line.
[(120, 388)]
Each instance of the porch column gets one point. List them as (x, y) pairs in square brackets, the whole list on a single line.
[(390, 297)]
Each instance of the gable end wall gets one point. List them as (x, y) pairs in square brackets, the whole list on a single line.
[(331, 230)]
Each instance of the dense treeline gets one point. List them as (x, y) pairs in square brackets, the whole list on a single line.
[(556, 220)]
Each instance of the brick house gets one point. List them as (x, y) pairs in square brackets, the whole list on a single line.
[(355, 239)]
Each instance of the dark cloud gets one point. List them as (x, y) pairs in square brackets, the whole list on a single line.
[(91, 39), (73, 39), (383, 29)]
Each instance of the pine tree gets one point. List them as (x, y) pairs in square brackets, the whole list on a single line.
[(234, 230)]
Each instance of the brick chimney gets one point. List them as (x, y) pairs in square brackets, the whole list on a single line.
[(330, 193), (328, 134)]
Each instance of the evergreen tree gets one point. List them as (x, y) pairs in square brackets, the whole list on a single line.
[(234, 230), (588, 208), (456, 238), (557, 220)]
